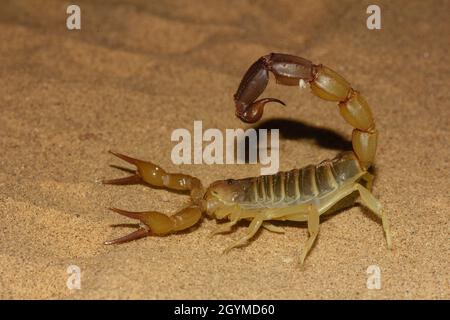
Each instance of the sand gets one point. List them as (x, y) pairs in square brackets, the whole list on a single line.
[(137, 71)]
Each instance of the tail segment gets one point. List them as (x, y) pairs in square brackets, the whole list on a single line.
[(325, 83)]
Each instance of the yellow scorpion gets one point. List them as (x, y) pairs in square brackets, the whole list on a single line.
[(297, 195)]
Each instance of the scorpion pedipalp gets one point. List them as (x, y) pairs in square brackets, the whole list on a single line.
[(155, 222), (135, 235), (156, 176), (160, 224), (134, 179)]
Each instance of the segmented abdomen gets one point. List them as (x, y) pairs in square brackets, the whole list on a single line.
[(301, 185)]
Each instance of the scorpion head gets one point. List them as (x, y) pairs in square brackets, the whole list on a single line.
[(223, 195)]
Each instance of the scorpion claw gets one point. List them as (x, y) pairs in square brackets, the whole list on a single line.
[(133, 215), (142, 166), (126, 158), (143, 231), (139, 233), (160, 224), (134, 179)]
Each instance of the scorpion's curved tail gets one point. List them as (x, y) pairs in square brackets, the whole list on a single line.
[(153, 222), (324, 82)]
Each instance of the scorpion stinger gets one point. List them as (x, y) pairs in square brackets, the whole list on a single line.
[(288, 70), (252, 85)]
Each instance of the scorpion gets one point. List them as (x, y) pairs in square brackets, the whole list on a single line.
[(297, 195)]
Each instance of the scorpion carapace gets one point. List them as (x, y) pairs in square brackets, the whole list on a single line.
[(297, 195)]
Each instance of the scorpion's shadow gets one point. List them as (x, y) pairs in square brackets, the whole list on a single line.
[(297, 130)]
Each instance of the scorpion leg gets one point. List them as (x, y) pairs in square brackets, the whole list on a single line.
[(273, 228), (368, 177), (374, 205), (226, 227), (369, 201), (251, 231), (157, 223), (313, 229)]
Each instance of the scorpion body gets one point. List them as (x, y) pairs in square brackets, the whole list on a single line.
[(297, 195), (311, 184)]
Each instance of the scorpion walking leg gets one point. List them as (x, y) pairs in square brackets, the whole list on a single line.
[(251, 231), (226, 227), (272, 228), (375, 206), (313, 229), (368, 177)]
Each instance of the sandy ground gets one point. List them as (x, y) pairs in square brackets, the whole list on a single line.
[(137, 71)]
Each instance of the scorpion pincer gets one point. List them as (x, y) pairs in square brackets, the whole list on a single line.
[(297, 195)]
